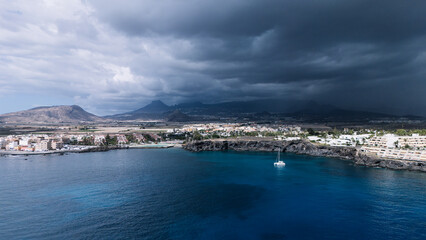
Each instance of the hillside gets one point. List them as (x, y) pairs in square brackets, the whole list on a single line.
[(154, 107), (53, 114), (178, 116), (154, 111), (252, 110)]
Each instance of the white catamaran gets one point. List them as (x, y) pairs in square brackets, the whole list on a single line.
[(279, 163)]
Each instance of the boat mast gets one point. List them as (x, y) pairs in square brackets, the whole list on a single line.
[(278, 155)]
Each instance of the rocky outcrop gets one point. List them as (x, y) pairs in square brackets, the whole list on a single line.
[(305, 147), (364, 160)]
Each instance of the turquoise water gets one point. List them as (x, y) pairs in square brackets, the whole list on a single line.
[(175, 194)]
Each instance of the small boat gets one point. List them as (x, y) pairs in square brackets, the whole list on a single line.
[(279, 163)]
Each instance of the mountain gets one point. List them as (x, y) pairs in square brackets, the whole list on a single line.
[(158, 110), (250, 110), (190, 105), (259, 110), (322, 112), (235, 107), (178, 116), (154, 107), (154, 111), (53, 114)]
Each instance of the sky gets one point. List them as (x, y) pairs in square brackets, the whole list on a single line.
[(115, 56)]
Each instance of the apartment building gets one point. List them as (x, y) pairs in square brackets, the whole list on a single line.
[(402, 154), (393, 141), (3, 144), (414, 141), (385, 141), (44, 145), (121, 139), (57, 145), (12, 145)]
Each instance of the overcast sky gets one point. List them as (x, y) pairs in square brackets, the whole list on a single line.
[(114, 56)]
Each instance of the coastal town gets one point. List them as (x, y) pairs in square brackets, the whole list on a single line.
[(399, 144), (52, 143)]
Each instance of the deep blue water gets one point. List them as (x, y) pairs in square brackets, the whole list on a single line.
[(175, 194)]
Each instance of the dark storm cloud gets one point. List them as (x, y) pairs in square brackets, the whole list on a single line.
[(108, 55), (369, 49)]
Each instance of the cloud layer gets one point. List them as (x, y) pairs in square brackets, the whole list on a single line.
[(112, 56)]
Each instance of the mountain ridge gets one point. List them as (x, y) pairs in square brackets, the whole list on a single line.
[(267, 110), (51, 114), (297, 109), (156, 106)]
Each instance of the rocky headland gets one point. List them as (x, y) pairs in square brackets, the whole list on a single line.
[(305, 147)]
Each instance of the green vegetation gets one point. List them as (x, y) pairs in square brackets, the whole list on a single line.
[(149, 138), (271, 134), (335, 133), (197, 136), (409, 132), (215, 135), (311, 131), (402, 132), (87, 141), (172, 136), (110, 140), (130, 138)]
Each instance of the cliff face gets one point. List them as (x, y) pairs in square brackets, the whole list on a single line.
[(304, 147)]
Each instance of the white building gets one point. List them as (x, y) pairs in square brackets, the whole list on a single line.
[(24, 141), (393, 141), (403, 154), (99, 139), (339, 142), (44, 145), (315, 139), (414, 141), (361, 139), (12, 145), (57, 145), (3, 143)]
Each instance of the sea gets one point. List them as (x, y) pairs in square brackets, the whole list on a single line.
[(176, 194)]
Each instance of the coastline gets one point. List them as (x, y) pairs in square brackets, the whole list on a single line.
[(301, 147), (306, 148), (154, 146), (90, 149), (61, 152)]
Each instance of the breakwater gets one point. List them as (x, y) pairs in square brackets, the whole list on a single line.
[(304, 147)]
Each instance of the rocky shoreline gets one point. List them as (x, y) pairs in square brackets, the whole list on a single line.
[(307, 148)]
